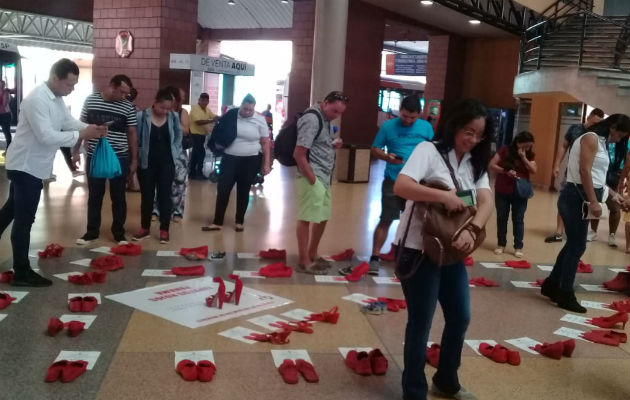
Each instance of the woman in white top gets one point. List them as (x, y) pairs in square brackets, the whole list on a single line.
[(241, 163), (465, 135), (586, 182)]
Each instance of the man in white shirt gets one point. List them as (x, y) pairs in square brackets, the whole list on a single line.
[(45, 125)]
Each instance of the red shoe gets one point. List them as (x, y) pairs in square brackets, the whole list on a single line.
[(433, 355), (378, 362), (389, 256), (187, 369), (6, 277), (289, 371), (54, 326), (331, 316), (344, 255), (73, 370), (83, 279), (567, 347), (5, 300), (195, 270), (276, 270), (483, 282), (522, 264), (610, 322), (75, 304), (584, 268), (194, 253), (164, 237), (513, 357), (619, 306), (398, 303), (216, 300), (623, 338), (205, 370), (89, 303), (235, 295), (300, 326), (52, 250), (469, 261), (619, 283), (98, 276), (55, 370), (358, 272), (128, 249), (551, 350), (107, 263), (496, 353), (307, 370), (359, 362), (75, 328), (538, 283), (609, 338), (273, 254)]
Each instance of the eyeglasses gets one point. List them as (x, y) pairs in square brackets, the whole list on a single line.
[(337, 96), (471, 135)]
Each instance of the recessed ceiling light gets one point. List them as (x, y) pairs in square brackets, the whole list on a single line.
[(231, 2), (284, 1), (70, 27), (426, 2), (474, 22)]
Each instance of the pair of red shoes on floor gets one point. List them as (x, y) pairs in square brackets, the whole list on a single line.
[(273, 254), (556, 350), (276, 270), (364, 363), (277, 337), (483, 282), (500, 354), (344, 255), (221, 296), (194, 253), (66, 371), (88, 278), (128, 249), (52, 250), (194, 270), (358, 272), (610, 338), (82, 304), (619, 283), (615, 305), (107, 263), (620, 317), (290, 370), (202, 371), (55, 325), (331, 316), (519, 264), (5, 300)]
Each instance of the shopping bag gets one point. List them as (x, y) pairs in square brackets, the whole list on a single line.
[(104, 162)]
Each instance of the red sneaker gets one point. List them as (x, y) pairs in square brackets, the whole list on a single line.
[(205, 370), (378, 362)]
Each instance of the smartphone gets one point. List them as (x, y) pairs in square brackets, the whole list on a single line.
[(468, 197), (217, 255), (109, 123), (398, 158)]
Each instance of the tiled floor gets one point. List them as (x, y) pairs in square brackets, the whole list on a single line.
[(136, 360)]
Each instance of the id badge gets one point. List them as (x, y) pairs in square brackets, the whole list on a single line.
[(468, 197)]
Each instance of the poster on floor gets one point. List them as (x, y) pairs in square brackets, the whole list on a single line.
[(184, 302)]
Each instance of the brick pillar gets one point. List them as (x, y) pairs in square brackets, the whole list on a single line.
[(302, 61), (159, 27), (211, 48), (445, 69)]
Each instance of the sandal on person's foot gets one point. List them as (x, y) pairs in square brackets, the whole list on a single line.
[(211, 227), (313, 269)]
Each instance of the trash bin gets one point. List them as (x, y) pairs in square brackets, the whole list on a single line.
[(353, 163)]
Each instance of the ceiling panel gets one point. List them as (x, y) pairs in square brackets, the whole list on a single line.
[(245, 14)]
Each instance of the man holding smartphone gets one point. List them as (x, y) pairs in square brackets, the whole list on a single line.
[(399, 136)]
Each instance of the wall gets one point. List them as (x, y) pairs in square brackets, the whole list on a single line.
[(445, 69), (210, 48), (80, 10), (491, 65), (302, 59), (617, 7), (541, 5)]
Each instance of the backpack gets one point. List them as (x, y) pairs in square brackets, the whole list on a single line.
[(284, 145), (223, 133)]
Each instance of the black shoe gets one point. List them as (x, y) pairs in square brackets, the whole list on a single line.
[(553, 238), (566, 300), (30, 278), (121, 239), (86, 239), (550, 289)]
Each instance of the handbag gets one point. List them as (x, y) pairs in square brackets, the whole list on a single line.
[(104, 163), (523, 188), (187, 142)]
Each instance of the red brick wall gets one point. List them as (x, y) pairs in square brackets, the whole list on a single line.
[(445, 69), (159, 27), (211, 48), (302, 62), (364, 43)]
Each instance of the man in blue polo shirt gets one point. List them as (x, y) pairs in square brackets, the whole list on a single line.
[(399, 136)]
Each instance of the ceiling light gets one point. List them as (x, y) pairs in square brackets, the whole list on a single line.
[(231, 2), (284, 1), (474, 22), (426, 2), (70, 27)]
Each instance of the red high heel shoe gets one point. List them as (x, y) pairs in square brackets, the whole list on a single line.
[(5, 300), (331, 316), (619, 306), (216, 300), (277, 337), (610, 322), (551, 350), (299, 326), (567, 347), (610, 338), (236, 293), (619, 283), (358, 272)]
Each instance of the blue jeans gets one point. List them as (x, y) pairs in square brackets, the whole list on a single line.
[(21, 206), (570, 209), (449, 285), (503, 202)]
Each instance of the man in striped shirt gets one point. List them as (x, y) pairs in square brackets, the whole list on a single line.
[(112, 108)]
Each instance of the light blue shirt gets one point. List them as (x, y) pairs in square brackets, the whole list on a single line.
[(401, 140)]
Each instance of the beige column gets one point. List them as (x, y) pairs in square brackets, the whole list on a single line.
[(329, 47)]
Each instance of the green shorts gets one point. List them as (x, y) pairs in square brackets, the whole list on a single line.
[(313, 201)]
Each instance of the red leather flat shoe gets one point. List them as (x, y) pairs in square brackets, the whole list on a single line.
[(584, 268), (107, 263), (83, 279), (307, 370), (188, 370), (551, 350), (89, 303), (235, 295), (362, 363), (52, 250), (567, 347), (98, 276), (5, 300), (619, 283), (195, 270), (73, 370), (75, 304), (522, 264), (273, 254), (433, 355), (289, 372), (496, 353), (128, 249), (54, 326), (276, 270), (6, 277), (331, 316), (205, 370), (620, 317), (378, 362), (602, 337), (513, 357), (344, 255), (55, 370), (75, 328), (194, 253)]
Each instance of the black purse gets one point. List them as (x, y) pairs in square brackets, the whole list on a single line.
[(187, 142)]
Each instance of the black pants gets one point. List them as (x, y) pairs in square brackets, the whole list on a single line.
[(158, 175), (96, 187), (239, 170), (21, 206), (67, 156), (5, 124), (198, 155)]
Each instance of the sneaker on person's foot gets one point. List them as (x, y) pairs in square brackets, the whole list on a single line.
[(141, 234), (553, 238), (30, 278), (345, 271), (85, 239), (164, 238), (591, 235), (121, 239), (498, 250), (374, 266), (612, 240)]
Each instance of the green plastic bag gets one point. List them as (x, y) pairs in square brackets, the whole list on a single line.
[(104, 162)]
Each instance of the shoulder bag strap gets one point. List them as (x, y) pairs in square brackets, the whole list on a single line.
[(450, 168)]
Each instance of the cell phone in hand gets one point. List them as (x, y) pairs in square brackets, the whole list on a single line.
[(109, 123), (398, 158)]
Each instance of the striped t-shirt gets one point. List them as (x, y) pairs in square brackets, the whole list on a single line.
[(98, 111)]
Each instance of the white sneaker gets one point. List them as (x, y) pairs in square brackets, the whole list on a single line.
[(77, 173), (612, 240), (498, 251), (591, 236)]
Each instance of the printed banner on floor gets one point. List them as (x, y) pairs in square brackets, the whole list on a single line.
[(185, 302)]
